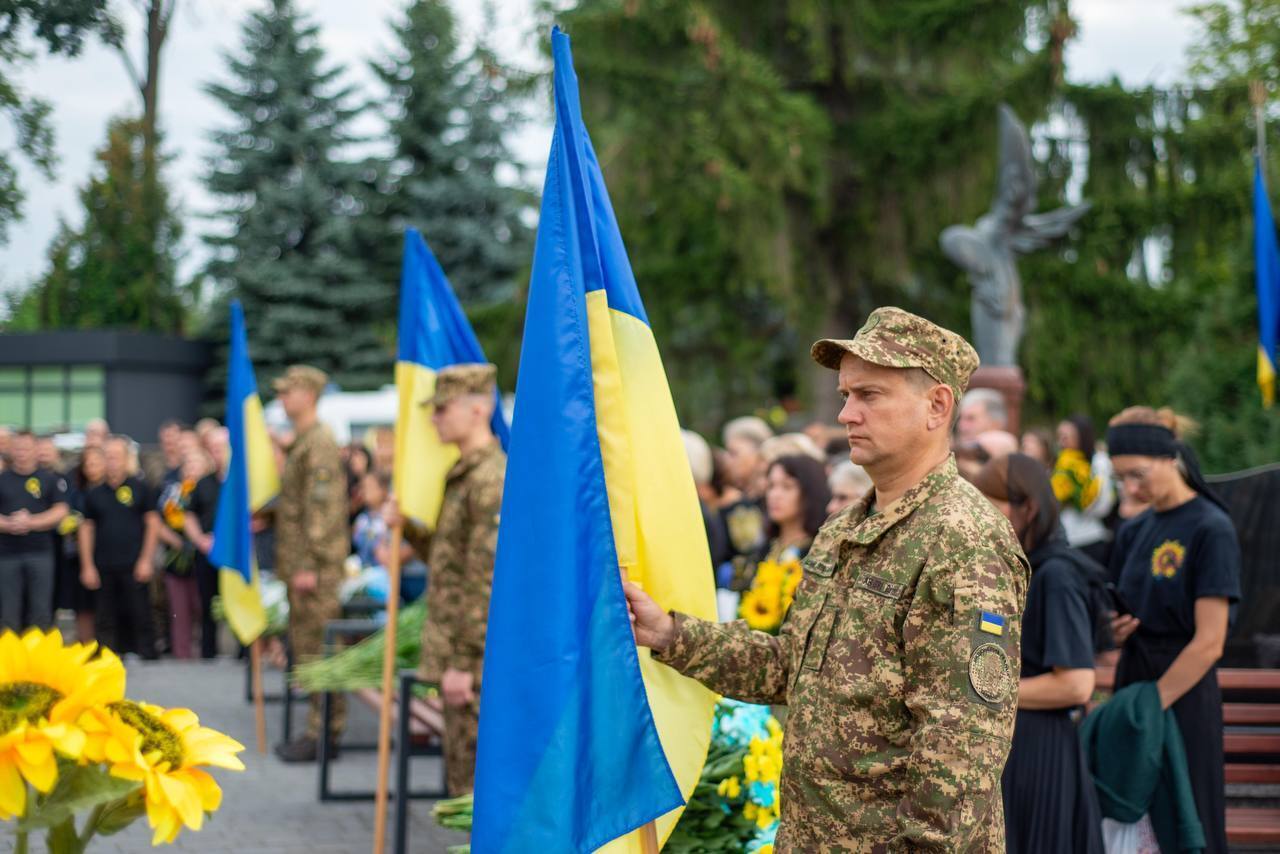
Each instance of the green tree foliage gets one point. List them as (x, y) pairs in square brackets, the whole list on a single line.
[(60, 27), (118, 269), (1157, 304), (780, 168), (449, 114), (291, 200)]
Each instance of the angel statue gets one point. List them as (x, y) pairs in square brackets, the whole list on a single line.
[(986, 249)]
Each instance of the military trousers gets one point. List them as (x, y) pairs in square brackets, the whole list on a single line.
[(308, 614), (461, 734)]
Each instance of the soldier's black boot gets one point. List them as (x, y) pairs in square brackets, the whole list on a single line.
[(301, 749), (304, 749)]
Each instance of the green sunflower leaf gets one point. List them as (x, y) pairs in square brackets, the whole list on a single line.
[(79, 788)]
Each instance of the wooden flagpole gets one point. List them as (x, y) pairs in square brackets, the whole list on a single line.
[(649, 838), (648, 833), (1258, 95), (388, 692), (259, 702)]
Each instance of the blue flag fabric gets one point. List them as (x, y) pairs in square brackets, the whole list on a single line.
[(251, 482), (1267, 273), (434, 330), (570, 756)]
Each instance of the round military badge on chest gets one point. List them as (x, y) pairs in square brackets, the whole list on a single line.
[(125, 496), (991, 673)]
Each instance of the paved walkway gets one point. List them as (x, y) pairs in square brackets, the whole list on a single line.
[(271, 807)]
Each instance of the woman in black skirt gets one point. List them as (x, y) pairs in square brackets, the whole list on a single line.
[(1177, 568), (1050, 806)]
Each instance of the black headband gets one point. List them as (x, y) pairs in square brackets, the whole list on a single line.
[(1141, 440)]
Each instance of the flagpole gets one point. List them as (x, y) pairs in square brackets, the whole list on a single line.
[(259, 702), (1258, 95), (649, 838), (388, 689)]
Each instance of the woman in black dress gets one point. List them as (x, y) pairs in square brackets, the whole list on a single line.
[(1177, 568), (1050, 806)]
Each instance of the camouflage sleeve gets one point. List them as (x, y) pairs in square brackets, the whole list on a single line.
[(482, 546), (961, 642), (418, 536), (437, 650), (731, 658), (328, 538)]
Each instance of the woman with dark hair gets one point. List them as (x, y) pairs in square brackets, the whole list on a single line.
[(796, 498), (1082, 483), (1049, 799), (1177, 568)]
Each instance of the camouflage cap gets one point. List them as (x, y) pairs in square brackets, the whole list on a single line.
[(898, 339), (301, 376), (458, 380)]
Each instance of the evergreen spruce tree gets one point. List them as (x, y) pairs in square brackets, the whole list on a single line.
[(119, 268), (291, 202), (449, 113)]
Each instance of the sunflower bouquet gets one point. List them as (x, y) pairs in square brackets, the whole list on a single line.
[(735, 805), (71, 743), (1073, 481), (772, 589)]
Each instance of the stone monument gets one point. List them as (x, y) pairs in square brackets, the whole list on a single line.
[(987, 251)]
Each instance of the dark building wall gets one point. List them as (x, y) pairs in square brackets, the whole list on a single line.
[(147, 378)]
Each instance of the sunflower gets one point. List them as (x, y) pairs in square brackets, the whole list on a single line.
[(165, 750), (45, 690)]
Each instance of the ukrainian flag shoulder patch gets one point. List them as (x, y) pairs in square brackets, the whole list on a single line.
[(992, 624)]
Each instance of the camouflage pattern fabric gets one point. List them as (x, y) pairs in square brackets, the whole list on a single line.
[(895, 338), (462, 379), (312, 535), (899, 663), (460, 555)]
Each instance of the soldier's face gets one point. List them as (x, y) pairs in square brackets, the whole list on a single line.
[(455, 419), (886, 417), (296, 401)]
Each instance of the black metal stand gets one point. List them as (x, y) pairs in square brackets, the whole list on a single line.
[(404, 749)]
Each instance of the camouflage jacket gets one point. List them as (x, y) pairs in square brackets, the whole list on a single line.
[(311, 512), (899, 663), (460, 555)]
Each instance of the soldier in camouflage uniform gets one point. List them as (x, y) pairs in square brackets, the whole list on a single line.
[(899, 658), (460, 555), (312, 540)]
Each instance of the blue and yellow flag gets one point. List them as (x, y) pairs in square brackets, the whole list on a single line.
[(584, 739), (1267, 272), (434, 333), (252, 480)]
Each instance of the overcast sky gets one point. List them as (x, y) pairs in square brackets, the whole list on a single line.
[(1141, 41)]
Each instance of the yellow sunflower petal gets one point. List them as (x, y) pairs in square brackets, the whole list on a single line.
[(13, 790), (209, 790), (164, 821), (184, 798)]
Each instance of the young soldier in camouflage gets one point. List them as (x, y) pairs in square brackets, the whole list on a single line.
[(312, 540), (899, 658), (459, 554)]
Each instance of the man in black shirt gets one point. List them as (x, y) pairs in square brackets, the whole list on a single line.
[(117, 546), (32, 503)]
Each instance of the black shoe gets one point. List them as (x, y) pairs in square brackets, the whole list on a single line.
[(301, 749), (304, 749)]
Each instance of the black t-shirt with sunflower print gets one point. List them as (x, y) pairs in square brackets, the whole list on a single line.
[(1163, 562), (119, 517), (34, 492)]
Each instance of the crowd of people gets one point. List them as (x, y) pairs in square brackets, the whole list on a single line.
[(1130, 554), (1132, 557)]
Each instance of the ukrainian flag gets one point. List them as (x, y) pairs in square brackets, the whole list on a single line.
[(583, 739), (434, 333), (252, 480), (1267, 274)]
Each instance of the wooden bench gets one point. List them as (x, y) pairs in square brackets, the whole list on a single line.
[(1251, 742)]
